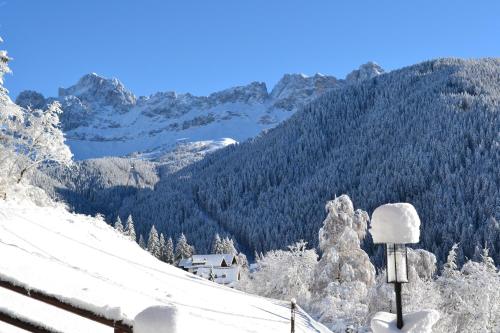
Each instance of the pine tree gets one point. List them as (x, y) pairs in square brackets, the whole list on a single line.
[(119, 225), (142, 243), (169, 251), (183, 249), (487, 261), (130, 231), (228, 246), (154, 242), (211, 274), (162, 248), (450, 267), (217, 245)]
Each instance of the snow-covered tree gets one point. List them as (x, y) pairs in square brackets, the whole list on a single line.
[(217, 245), (228, 246), (450, 268), (28, 138), (142, 242), (211, 274), (154, 242), (169, 251), (470, 297), (344, 273), (119, 225), (162, 248), (242, 260), (284, 274), (183, 249), (130, 229)]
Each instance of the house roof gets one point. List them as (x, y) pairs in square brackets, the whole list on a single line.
[(184, 262), (212, 259)]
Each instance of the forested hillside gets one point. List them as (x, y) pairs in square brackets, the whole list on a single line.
[(427, 134)]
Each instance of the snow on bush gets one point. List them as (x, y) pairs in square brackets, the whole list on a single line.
[(395, 223)]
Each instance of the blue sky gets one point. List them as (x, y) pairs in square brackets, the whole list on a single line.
[(204, 46)]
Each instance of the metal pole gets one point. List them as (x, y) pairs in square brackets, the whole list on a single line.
[(293, 317), (399, 305)]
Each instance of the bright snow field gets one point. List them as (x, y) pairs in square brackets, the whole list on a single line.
[(82, 260)]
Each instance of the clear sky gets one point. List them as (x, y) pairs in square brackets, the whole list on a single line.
[(204, 46)]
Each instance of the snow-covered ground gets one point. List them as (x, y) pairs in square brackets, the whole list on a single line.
[(82, 260)]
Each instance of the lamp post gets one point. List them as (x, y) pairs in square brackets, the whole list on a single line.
[(397, 273), (396, 225)]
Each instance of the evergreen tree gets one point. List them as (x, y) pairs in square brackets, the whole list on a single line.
[(130, 231), (119, 225), (162, 248), (217, 245), (154, 242), (450, 267), (169, 251), (182, 249), (228, 246), (142, 243), (211, 274)]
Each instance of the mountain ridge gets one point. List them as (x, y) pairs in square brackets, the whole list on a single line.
[(101, 117)]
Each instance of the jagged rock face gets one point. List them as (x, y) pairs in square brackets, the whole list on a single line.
[(255, 92), (75, 113), (94, 89), (171, 105), (365, 72), (32, 99), (102, 118), (297, 89)]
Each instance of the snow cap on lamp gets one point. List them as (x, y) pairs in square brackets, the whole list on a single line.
[(396, 223)]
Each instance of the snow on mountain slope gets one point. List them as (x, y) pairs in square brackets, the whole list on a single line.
[(102, 118), (82, 260)]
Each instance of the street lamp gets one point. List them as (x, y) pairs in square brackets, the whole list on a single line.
[(397, 273), (396, 225)]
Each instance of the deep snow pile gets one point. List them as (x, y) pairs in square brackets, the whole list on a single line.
[(395, 223), (82, 260), (414, 322)]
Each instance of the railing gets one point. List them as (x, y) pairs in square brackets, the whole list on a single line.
[(26, 324)]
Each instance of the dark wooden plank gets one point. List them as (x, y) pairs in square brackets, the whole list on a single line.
[(40, 296), (24, 323)]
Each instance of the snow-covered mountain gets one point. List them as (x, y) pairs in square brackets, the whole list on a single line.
[(103, 118), (51, 250)]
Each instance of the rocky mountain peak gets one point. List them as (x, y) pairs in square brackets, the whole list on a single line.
[(255, 92), (92, 88), (364, 72), (293, 88)]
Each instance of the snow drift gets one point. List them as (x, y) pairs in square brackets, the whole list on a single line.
[(82, 260)]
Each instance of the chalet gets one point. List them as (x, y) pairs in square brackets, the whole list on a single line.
[(222, 268)]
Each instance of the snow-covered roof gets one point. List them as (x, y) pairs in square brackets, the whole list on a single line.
[(214, 260), (82, 260), (184, 262), (395, 223)]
